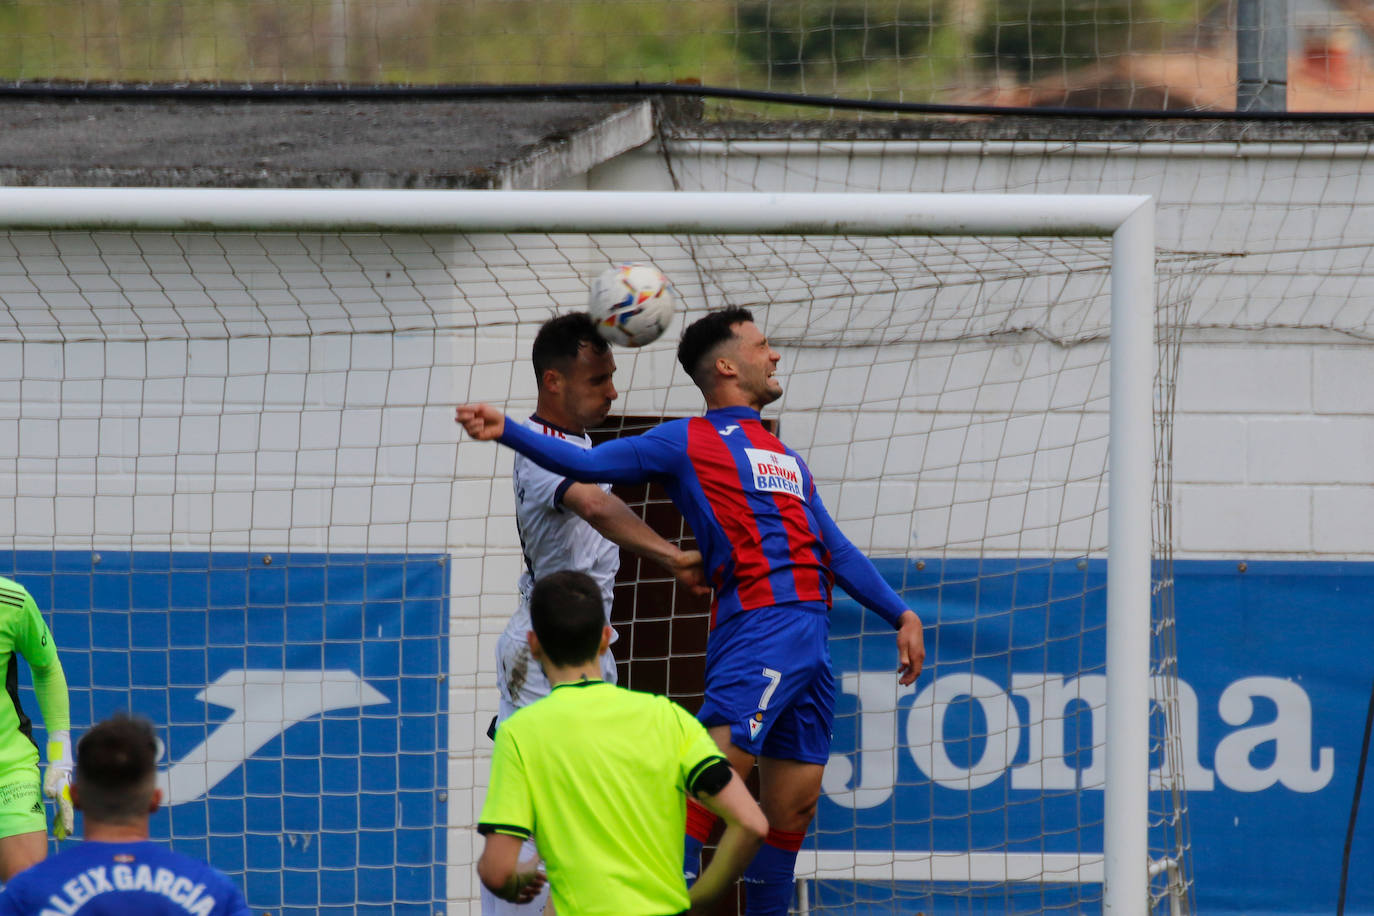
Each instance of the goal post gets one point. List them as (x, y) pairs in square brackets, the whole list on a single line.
[(1127, 220)]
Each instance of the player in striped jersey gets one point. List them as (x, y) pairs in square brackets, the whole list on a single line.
[(566, 525), (23, 822), (773, 555)]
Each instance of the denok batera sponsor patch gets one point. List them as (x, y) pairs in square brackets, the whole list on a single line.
[(775, 472)]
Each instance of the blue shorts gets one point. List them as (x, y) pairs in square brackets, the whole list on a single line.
[(768, 677)]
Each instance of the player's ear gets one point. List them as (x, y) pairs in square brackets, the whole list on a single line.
[(536, 650), (76, 796), (155, 802), (551, 380), (606, 632)]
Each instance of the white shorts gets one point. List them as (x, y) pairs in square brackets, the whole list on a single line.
[(521, 681)]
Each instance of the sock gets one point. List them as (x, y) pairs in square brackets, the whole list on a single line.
[(700, 822), (770, 877)]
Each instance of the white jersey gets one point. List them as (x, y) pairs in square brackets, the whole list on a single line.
[(552, 537)]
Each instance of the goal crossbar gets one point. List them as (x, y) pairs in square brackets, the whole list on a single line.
[(297, 210), (1127, 219)]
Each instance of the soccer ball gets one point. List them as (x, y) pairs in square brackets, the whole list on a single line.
[(631, 304)]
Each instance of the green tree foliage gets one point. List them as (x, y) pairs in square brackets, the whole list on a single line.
[(865, 48), (795, 39)]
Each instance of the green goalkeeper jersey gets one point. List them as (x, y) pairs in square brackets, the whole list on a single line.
[(23, 630)]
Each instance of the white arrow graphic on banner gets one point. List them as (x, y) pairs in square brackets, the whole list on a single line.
[(266, 703)]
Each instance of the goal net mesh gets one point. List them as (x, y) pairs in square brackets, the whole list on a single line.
[(236, 487)]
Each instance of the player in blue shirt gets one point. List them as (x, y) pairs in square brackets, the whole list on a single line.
[(773, 555), (117, 871)]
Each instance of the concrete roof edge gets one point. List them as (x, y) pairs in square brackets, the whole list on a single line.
[(1139, 130), (581, 151)]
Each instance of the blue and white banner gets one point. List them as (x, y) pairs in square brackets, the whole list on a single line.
[(994, 759), (302, 704), (301, 701)]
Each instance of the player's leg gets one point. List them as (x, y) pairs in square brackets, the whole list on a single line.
[(23, 821), (791, 764), (788, 793), (700, 820), (758, 667)]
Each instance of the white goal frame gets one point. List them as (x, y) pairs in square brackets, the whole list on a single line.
[(1127, 219)]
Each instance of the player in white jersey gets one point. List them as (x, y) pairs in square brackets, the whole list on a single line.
[(569, 525), (554, 537)]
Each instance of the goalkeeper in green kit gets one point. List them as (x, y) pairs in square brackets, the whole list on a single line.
[(23, 822)]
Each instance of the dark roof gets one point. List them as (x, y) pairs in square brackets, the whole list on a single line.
[(1016, 127), (311, 143), (169, 141)]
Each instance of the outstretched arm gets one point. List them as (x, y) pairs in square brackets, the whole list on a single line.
[(862, 581), (618, 523), (482, 421), (617, 461)]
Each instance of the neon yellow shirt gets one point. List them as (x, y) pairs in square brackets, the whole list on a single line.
[(599, 775), (23, 630)]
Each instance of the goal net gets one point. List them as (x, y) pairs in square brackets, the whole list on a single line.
[(237, 489)]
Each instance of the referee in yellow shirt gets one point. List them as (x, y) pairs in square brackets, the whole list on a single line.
[(599, 775)]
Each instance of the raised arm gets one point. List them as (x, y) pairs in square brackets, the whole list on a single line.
[(618, 523), (617, 461), (862, 582)]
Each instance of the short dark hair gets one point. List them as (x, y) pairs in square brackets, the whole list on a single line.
[(568, 613), (705, 334), (116, 768), (559, 339)]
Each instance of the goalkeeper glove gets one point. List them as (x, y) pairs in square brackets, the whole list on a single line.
[(57, 783)]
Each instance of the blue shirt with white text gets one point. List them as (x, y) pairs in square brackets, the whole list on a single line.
[(121, 879)]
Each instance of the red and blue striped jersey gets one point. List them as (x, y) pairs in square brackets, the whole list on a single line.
[(752, 503)]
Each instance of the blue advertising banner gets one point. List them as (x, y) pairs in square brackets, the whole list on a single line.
[(994, 758), (301, 701)]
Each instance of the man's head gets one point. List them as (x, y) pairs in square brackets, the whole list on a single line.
[(729, 359), (115, 780), (569, 619), (573, 366)]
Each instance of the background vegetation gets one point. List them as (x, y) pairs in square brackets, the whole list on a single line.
[(912, 49)]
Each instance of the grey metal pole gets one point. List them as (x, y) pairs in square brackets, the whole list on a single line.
[(1262, 55)]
